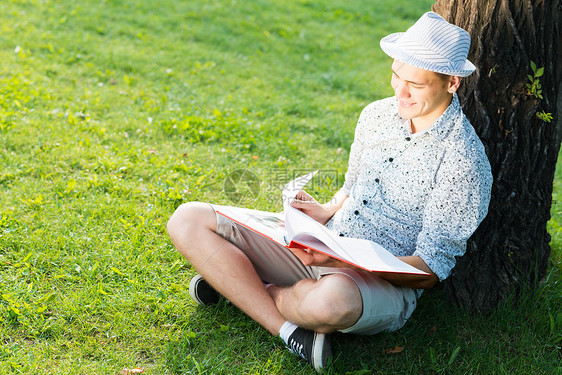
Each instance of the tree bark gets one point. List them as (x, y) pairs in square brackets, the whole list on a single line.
[(509, 252)]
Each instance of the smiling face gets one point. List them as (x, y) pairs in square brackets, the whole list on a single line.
[(422, 95)]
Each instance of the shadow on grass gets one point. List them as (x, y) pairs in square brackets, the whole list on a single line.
[(442, 338), (438, 338)]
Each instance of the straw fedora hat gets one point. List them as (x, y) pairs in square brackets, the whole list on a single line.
[(432, 44)]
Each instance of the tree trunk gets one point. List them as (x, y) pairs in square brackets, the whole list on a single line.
[(509, 252)]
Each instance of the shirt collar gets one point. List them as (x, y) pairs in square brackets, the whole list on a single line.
[(441, 127)]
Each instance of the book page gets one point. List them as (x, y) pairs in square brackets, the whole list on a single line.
[(269, 224), (294, 226), (365, 254), (298, 223), (291, 190)]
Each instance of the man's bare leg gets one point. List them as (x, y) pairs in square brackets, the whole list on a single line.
[(192, 229), (332, 303)]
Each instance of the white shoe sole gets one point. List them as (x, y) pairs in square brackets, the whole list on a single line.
[(321, 351), (193, 289)]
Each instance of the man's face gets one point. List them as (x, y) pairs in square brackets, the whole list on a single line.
[(422, 95)]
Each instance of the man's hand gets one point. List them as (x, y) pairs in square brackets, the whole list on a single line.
[(312, 258), (319, 212), (412, 281)]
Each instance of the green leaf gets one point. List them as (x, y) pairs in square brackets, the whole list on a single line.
[(46, 298), (454, 355), (100, 289), (540, 72), (14, 310), (70, 186), (533, 66)]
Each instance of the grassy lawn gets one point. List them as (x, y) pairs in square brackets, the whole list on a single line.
[(114, 112)]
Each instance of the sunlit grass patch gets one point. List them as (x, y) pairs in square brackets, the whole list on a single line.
[(114, 113)]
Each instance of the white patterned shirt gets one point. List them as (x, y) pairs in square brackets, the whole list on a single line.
[(418, 194)]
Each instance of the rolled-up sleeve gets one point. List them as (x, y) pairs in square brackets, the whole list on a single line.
[(455, 207)]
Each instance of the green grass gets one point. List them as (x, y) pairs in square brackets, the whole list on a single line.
[(112, 113)]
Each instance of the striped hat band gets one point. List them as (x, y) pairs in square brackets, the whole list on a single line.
[(432, 44)]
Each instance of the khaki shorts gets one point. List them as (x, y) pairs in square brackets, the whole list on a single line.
[(385, 306)]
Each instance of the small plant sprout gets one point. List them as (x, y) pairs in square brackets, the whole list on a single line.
[(534, 87), (546, 117)]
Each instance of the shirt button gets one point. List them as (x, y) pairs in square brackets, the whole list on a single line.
[(356, 212), (408, 139), (390, 159), (377, 180), (364, 201)]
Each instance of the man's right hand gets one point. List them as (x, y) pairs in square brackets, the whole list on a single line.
[(319, 212)]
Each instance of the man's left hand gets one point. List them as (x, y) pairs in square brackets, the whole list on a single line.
[(313, 258)]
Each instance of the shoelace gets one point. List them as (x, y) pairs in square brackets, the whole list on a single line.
[(296, 347)]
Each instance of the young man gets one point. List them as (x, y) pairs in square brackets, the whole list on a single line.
[(418, 183)]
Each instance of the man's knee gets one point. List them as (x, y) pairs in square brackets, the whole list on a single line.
[(189, 217), (337, 302)]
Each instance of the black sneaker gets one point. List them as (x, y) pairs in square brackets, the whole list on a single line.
[(201, 292), (312, 346)]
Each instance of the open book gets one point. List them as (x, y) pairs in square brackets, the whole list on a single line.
[(294, 229)]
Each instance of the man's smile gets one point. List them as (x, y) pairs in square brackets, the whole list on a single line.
[(405, 104)]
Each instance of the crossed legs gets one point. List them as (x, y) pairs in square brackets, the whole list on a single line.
[(326, 305), (331, 303)]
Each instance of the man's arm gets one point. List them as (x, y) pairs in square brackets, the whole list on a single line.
[(312, 258), (412, 281), (322, 213)]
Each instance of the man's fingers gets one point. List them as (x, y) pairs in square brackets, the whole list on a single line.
[(302, 201), (303, 198), (298, 251), (305, 257), (303, 195)]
